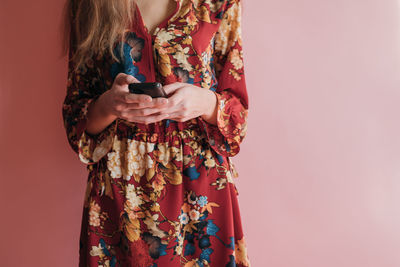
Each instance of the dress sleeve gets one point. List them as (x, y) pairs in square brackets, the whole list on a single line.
[(232, 106), (83, 88)]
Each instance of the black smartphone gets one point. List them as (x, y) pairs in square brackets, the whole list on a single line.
[(153, 89)]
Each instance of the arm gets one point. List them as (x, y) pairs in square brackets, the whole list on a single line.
[(231, 94), (211, 115), (97, 117), (84, 88)]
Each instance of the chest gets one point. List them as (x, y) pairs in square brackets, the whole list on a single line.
[(179, 48), (153, 13)]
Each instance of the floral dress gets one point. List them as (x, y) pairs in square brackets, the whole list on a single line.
[(163, 194)]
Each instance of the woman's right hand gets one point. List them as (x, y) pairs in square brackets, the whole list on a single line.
[(141, 108)]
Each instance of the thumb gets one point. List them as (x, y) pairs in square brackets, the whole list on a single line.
[(172, 87), (123, 78)]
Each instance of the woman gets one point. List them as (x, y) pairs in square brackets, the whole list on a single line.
[(160, 190)]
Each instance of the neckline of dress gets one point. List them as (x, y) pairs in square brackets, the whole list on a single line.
[(161, 24)]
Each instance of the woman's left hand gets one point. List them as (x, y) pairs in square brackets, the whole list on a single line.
[(187, 101)]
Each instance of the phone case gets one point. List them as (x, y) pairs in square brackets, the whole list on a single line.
[(153, 89)]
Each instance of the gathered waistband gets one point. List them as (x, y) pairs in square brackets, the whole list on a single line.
[(160, 132)]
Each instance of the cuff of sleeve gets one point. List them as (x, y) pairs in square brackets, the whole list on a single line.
[(219, 136), (91, 148)]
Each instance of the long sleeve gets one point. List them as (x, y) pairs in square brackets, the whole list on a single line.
[(232, 99), (84, 87)]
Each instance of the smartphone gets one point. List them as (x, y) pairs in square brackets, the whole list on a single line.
[(153, 89)]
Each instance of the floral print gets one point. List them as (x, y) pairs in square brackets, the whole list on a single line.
[(163, 194)]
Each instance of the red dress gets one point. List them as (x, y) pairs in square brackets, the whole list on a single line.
[(163, 194)]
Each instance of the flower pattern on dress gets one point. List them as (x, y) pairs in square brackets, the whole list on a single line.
[(164, 194)]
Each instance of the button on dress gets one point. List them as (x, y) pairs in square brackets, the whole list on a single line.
[(163, 194)]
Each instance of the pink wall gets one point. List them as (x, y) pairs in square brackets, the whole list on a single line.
[(319, 169)]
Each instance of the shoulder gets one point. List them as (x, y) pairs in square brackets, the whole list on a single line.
[(222, 5), (212, 11)]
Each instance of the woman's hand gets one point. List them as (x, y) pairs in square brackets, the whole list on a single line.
[(119, 102), (187, 101)]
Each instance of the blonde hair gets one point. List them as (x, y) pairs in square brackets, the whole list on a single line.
[(93, 27)]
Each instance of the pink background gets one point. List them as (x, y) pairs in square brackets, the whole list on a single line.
[(319, 169)]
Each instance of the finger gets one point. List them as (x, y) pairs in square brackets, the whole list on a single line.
[(169, 110), (136, 98), (150, 119), (137, 105), (172, 87), (177, 116), (123, 79), (144, 112), (155, 102), (176, 107), (175, 99), (174, 104), (145, 101)]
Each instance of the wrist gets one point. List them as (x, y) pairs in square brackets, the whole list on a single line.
[(98, 116), (102, 107), (210, 114)]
